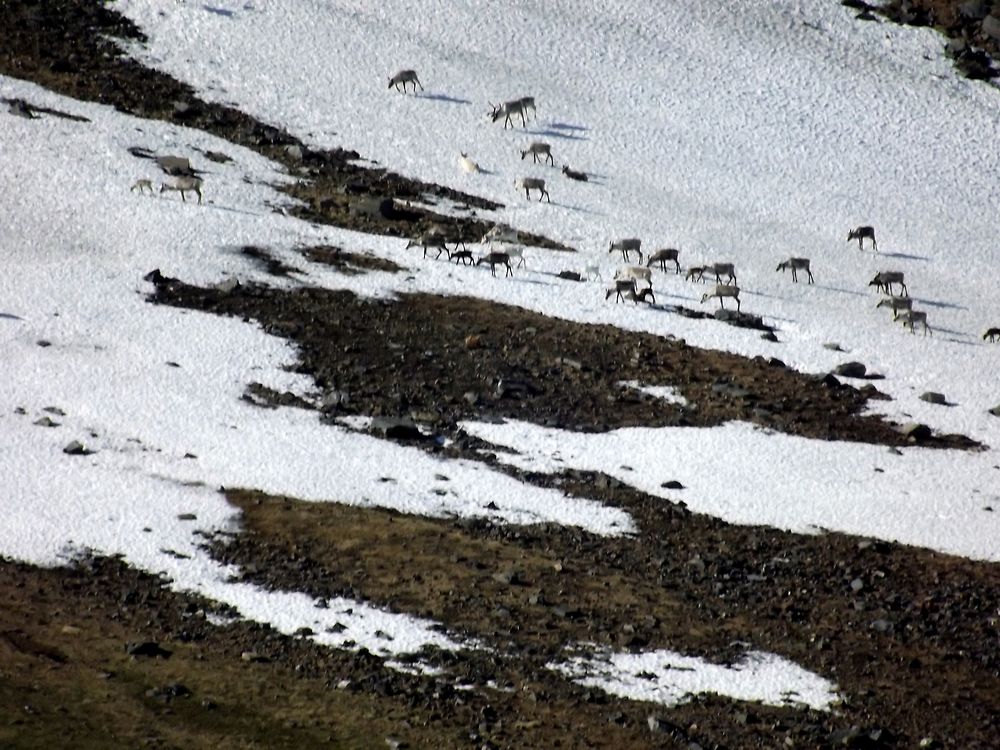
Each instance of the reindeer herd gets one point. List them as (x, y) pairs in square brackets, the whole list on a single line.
[(634, 282), (627, 278)]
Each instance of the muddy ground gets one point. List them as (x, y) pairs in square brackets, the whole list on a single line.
[(101, 655)]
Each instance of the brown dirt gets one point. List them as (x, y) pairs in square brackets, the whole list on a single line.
[(913, 649)]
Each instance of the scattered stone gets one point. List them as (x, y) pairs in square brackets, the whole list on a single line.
[(254, 657), (175, 166), (995, 411), (857, 584), (769, 336), (227, 286), (46, 422), (187, 517), (473, 341), (673, 484), (570, 276), (43, 343), (76, 448), (850, 370), (915, 431), (932, 397), (881, 625), (397, 428), (150, 649), (833, 347)]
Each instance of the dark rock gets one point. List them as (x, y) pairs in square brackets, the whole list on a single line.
[(46, 422), (915, 431), (76, 448), (850, 370), (175, 165), (570, 276), (932, 397), (397, 428), (673, 484), (150, 649)]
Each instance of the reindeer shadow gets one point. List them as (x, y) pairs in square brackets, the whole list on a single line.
[(580, 209), (219, 11), (555, 133), (904, 256), (443, 98), (10, 316), (940, 305), (568, 126)]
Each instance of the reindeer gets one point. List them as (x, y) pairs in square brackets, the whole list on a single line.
[(514, 107), (533, 183), (622, 286), (722, 291), (993, 334), (431, 239), (404, 77), (538, 149), (496, 259), (911, 317), (884, 280), (626, 246), (861, 233), (183, 185), (796, 264), (142, 185), (662, 256)]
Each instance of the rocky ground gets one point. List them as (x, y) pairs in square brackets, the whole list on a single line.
[(101, 655)]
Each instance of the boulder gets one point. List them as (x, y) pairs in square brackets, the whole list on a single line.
[(851, 370)]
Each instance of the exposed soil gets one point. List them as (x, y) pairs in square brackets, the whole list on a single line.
[(909, 636)]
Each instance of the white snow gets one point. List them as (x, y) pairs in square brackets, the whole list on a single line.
[(670, 678), (738, 131)]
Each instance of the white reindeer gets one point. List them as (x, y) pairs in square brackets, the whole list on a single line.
[(861, 233), (183, 185), (592, 271), (626, 246), (662, 256), (142, 185), (722, 291), (796, 264), (404, 77), (533, 183), (895, 304), (538, 149), (500, 233), (884, 280), (467, 164), (636, 273)]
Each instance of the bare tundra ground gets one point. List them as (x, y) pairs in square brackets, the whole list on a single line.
[(100, 655)]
